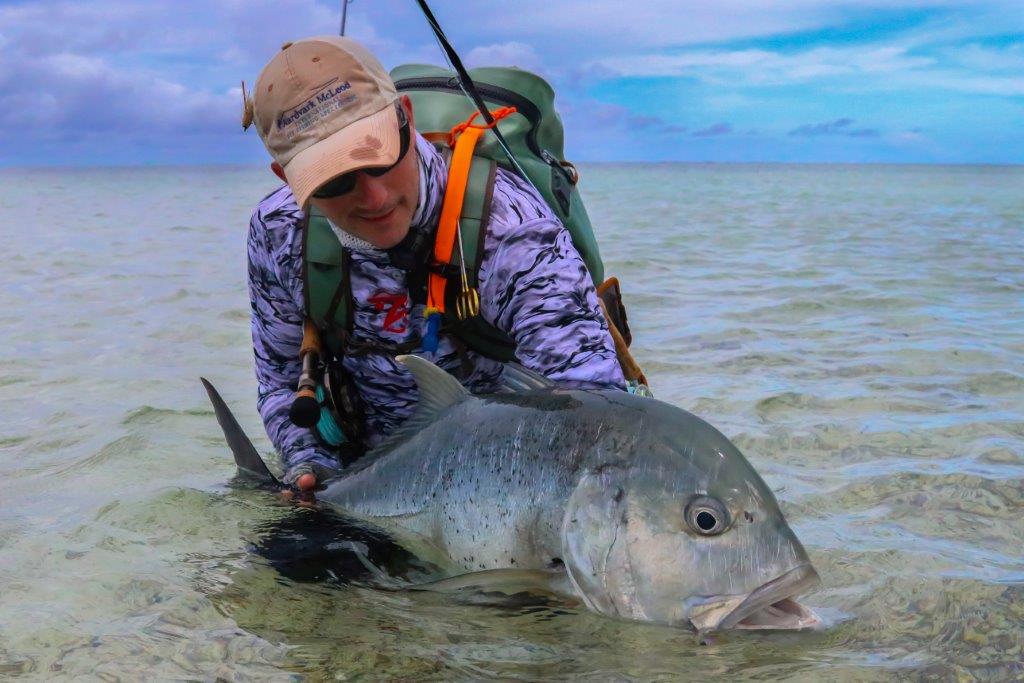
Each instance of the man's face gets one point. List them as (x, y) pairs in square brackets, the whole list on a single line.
[(379, 209)]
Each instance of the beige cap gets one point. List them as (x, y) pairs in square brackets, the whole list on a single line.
[(323, 107)]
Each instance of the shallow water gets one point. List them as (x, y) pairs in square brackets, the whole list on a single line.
[(858, 331)]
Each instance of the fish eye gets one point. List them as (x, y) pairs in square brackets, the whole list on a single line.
[(707, 516)]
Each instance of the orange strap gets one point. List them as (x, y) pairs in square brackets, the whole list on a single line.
[(496, 115), (451, 209), (462, 139)]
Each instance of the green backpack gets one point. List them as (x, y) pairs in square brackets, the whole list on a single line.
[(535, 136)]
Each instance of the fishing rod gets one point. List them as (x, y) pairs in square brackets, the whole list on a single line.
[(344, 13), (466, 84)]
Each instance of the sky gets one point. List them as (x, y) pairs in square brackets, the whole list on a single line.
[(148, 82)]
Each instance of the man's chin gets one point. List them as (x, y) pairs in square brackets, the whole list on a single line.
[(388, 239), (386, 233)]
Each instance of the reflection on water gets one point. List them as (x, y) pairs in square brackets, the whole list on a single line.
[(857, 331)]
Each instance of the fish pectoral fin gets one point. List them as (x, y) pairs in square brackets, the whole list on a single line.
[(504, 586)]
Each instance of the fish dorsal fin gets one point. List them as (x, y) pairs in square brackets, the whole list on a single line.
[(516, 378), (438, 392), (247, 458)]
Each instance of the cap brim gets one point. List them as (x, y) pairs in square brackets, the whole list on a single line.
[(371, 141)]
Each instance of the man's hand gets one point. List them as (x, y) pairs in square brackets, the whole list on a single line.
[(304, 497), (304, 478)]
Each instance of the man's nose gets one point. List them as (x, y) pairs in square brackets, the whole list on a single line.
[(371, 192)]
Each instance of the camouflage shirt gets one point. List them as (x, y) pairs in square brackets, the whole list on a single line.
[(533, 285)]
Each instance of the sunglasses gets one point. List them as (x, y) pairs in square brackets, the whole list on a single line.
[(344, 184)]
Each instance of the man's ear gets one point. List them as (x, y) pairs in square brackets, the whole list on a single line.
[(278, 170), (407, 105)]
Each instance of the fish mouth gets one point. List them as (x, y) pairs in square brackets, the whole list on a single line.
[(770, 607)]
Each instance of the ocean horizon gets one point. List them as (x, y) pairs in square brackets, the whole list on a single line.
[(229, 166)]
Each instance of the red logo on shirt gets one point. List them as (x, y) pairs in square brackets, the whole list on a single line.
[(396, 308)]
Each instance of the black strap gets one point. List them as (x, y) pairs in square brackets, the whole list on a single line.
[(358, 347), (344, 290)]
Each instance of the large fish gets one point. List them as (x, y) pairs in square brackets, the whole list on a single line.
[(637, 508)]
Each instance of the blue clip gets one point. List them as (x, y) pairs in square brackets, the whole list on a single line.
[(430, 338)]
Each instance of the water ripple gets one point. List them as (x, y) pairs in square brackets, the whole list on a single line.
[(856, 330)]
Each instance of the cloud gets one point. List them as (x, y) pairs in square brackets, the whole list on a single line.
[(713, 130), (588, 27), (505, 54), (965, 53), (947, 80), (836, 127), (80, 93), (167, 29), (757, 67), (911, 137), (599, 115), (585, 30), (129, 72), (1006, 58), (157, 67), (168, 70)]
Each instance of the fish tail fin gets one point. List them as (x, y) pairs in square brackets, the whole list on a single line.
[(247, 458)]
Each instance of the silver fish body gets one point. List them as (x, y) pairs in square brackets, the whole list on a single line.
[(653, 514)]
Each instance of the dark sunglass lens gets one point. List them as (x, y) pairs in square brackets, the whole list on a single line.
[(337, 187), (377, 171)]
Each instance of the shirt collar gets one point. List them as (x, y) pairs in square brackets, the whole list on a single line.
[(354, 243)]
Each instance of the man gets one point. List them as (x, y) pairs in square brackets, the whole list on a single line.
[(346, 144)]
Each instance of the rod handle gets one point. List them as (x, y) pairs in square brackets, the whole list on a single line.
[(310, 339), (305, 409)]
